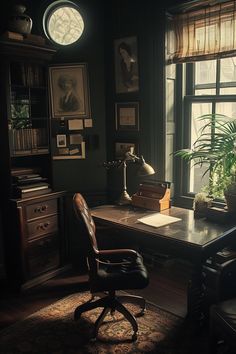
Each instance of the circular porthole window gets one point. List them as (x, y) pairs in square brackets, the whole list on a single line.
[(63, 23)]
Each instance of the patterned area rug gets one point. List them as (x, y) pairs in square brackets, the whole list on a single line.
[(52, 330)]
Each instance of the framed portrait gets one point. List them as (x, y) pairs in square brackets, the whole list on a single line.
[(61, 140), (69, 91), (126, 65), (122, 147), (127, 116)]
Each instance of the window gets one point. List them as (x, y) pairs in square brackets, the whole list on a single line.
[(210, 88), (63, 23)]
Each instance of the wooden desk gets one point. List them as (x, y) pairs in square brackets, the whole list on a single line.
[(192, 239)]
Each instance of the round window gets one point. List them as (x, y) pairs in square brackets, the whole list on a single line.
[(63, 23)]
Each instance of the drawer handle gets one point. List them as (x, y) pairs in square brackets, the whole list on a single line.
[(41, 209), (43, 226)]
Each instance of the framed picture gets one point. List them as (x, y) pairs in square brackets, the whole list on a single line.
[(127, 116), (126, 65), (122, 147), (69, 91), (61, 140)]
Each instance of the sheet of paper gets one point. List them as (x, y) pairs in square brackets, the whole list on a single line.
[(158, 220), (75, 139), (88, 123), (75, 124)]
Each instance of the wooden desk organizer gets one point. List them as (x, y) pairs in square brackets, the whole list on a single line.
[(152, 196)]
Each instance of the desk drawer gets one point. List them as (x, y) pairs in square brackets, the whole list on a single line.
[(43, 255), (40, 209), (42, 227)]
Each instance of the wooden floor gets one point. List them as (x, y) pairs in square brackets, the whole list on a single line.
[(167, 289)]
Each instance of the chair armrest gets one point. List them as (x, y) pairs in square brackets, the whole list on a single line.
[(109, 263), (116, 257)]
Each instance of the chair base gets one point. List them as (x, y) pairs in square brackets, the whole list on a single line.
[(112, 303)]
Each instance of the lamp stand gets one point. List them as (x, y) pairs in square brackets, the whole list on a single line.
[(124, 198)]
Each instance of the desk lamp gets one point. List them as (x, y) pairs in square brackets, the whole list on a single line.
[(144, 170)]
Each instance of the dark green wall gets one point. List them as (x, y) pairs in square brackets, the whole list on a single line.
[(88, 174), (147, 22)]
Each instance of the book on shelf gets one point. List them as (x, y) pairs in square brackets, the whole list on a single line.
[(28, 140), (12, 35), (30, 187), (25, 176), (29, 181), (34, 193), (18, 171)]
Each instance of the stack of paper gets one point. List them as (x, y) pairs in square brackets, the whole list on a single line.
[(158, 220)]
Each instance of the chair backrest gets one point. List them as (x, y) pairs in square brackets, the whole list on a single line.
[(87, 230)]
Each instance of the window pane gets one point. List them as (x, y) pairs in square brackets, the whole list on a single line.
[(226, 108), (205, 72), (228, 70), (196, 180), (228, 91), (205, 92)]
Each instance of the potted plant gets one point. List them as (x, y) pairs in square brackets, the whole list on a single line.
[(200, 204), (216, 148)]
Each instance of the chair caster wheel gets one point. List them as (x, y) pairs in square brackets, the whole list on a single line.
[(141, 313), (112, 312), (93, 339), (134, 337)]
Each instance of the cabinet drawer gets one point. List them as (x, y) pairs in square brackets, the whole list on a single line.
[(43, 208), (43, 255), (42, 226)]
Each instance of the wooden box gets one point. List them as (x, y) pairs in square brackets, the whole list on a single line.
[(152, 196)]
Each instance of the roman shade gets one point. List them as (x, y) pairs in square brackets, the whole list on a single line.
[(203, 34)]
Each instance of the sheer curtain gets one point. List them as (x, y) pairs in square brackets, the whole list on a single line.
[(203, 34)]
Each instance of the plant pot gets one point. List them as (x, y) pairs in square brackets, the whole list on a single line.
[(200, 208), (230, 202)]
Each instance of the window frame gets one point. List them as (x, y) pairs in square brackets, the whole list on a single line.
[(55, 5), (184, 100)]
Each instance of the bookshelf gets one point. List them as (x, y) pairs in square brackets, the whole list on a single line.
[(33, 231), (24, 123)]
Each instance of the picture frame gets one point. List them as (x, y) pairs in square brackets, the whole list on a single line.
[(127, 116), (61, 140), (122, 147), (126, 65), (69, 91)]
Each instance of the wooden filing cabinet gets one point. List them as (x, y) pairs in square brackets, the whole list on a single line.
[(37, 246)]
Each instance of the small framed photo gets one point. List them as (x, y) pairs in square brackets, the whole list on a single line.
[(127, 116), (126, 65), (61, 140), (122, 147), (69, 91)]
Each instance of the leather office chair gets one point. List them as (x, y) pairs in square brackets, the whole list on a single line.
[(223, 314), (109, 270)]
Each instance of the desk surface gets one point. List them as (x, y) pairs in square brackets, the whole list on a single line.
[(197, 235)]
